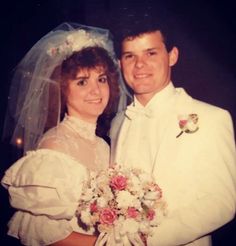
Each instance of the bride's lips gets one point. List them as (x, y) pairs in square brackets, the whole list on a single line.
[(95, 101)]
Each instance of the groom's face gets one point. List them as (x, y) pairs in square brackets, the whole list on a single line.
[(146, 64)]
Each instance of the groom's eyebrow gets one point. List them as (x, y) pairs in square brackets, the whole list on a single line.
[(126, 52), (145, 50)]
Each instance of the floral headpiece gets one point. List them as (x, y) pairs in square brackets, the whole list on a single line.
[(77, 40)]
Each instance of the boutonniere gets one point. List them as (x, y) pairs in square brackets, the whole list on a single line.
[(188, 123)]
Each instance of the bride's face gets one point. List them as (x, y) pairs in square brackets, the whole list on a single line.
[(88, 94)]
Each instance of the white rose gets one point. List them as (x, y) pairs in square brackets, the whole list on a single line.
[(125, 199), (191, 126), (102, 202)]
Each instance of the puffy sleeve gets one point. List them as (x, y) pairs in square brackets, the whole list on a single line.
[(44, 186)]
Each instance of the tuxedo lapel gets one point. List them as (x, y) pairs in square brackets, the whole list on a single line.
[(168, 141)]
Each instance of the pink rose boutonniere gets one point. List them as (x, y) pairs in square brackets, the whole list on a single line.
[(188, 123)]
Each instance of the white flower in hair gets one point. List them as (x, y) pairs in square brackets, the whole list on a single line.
[(76, 41)]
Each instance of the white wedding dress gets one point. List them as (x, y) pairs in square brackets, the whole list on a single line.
[(45, 185)]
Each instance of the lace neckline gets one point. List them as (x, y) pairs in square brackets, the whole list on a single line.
[(85, 129)]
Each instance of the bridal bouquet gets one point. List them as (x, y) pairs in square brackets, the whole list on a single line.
[(120, 205)]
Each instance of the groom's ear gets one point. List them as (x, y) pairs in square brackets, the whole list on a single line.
[(173, 56), (119, 64)]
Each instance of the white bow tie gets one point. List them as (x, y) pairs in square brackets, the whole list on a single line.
[(132, 112)]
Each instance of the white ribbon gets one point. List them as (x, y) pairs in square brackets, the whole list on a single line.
[(114, 238)]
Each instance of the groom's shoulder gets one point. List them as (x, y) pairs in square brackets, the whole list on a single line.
[(207, 112), (208, 108), (199, 104)]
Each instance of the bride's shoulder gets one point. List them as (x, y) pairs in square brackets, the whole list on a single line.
[(55, 138)]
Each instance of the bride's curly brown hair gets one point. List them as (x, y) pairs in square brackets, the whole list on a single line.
[(90, 58)]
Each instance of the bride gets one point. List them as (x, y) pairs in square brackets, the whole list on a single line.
[(62, 86)]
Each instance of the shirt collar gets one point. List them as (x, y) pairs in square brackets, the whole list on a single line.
[(156, 105), (159, 99)]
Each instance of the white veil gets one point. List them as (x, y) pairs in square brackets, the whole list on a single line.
[(31, 87)]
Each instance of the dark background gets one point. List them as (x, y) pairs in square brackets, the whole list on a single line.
[(206, 38)]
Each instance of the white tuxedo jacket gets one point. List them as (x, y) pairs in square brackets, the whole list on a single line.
[(197, 173)]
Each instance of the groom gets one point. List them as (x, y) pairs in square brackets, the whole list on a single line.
[(186, 144)]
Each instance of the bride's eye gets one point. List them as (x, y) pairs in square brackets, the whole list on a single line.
[(82, 82), (102, 79)]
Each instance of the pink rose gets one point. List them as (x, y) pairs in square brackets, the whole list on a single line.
[(93, 207), (182, 123), (132, 212), (118, 182), (107, 216), (150, 214)]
